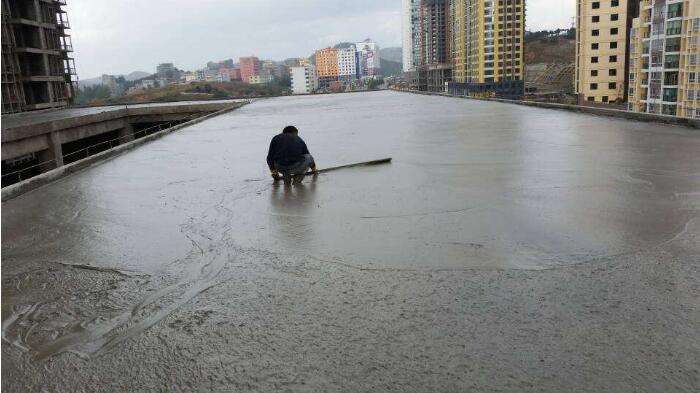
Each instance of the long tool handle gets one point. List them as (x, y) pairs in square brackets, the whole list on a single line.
[(366, 163)]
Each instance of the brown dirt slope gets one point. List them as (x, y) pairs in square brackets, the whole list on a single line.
[(558, 50)]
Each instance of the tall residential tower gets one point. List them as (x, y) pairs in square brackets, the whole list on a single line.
[(665, 58), (602, 49), (488, 53), (410, 32), (434, 67)]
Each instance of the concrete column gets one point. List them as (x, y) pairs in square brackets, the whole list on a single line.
[(126, 134), (55, 149), (53, 156)]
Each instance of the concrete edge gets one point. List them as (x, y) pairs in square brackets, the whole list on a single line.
[(23, 187), (622, 114)]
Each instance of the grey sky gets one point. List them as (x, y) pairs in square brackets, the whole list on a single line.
[(121, 36)]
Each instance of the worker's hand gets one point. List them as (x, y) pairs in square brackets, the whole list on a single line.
[(275, 175), (313, 169)]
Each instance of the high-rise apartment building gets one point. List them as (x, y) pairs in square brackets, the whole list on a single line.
[(488, 48), (347, 64), (304, 79), (369, 62), (250, 67), (665, 58), (434, 67), (602, 49), (410, 33), (37, 67), (327, 66)]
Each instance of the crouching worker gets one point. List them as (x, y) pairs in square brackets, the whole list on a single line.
[(289, 157)]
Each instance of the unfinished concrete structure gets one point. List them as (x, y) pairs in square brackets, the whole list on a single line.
[(37, 67), (36, 142), (435, 67)]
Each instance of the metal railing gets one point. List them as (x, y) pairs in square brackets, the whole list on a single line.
[(112, 143)]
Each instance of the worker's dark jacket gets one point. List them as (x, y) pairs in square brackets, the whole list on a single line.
[(286, 150)]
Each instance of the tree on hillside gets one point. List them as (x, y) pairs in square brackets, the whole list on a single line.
[(89, 94)]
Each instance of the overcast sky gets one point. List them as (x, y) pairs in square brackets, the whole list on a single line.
[(120, 36)]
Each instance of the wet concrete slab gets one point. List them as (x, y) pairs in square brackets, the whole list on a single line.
[(483, 199)]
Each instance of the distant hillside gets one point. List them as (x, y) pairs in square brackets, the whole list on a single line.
[(132, 76), (136, 75), (550, 46), (390, 68), (394, 54)]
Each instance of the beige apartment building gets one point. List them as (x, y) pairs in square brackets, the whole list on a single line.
[(488, 53), (602, 49), (665, 58)]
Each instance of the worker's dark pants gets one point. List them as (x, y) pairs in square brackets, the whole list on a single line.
[(297, 169)]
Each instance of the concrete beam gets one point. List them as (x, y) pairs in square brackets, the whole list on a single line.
[(76, 133), (25, 146)]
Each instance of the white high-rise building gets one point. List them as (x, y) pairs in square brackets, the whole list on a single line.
[(347, 63), (368, 58), (409, 26), (304, 79)]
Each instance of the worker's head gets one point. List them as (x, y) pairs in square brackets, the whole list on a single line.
[(290, 130)]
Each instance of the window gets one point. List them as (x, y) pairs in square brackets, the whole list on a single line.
[(595, 33), (669, 110), (613, 31), (675, 10), (594, 59), (612, 85), (612, 72), (605, 99), (592, 99), (614, 17), (594, 86), (674, 27), (691, 77), (613, 45), (671, 78), (594, 46), (673, 44), (596, 18), (670, 95), (671, 61), (594, 72), (596, 5), (613, 59), (614, 3)]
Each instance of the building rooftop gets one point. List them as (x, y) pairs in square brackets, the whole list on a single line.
[(505, 246)]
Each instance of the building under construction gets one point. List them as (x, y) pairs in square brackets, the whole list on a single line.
[(37, 67)]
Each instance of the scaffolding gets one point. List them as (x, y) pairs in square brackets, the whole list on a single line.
[(38, 70), (12, 89)]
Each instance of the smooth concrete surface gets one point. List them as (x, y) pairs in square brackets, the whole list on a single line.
[(505, 248)]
